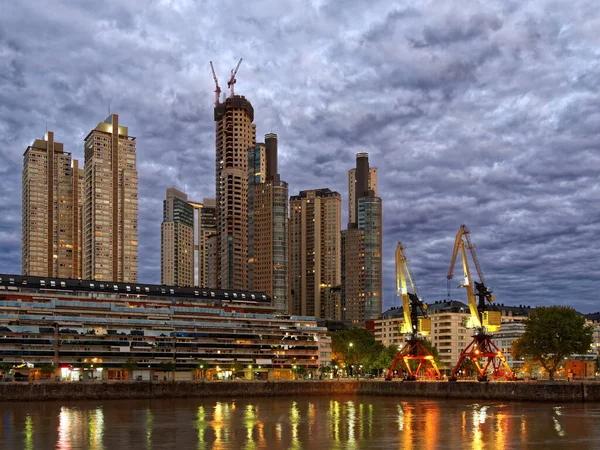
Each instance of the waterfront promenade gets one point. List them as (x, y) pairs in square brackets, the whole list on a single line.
[(545, 391)]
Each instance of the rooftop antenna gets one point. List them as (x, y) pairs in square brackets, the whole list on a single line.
[(109, 107)]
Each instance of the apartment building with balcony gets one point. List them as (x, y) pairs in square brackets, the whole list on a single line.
[(97, 329)]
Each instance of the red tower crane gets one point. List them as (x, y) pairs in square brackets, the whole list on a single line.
[(218, 89), (232, 80)]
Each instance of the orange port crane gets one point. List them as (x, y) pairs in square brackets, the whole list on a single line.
[(232, 80), (218, 89), (414, 326), (482, 352)]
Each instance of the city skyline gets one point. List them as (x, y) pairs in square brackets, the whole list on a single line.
[(500, 139)]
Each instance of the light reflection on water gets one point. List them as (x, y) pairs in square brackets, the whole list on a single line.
[(294, 424)]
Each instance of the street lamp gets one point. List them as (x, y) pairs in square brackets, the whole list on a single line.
[(350, 345)]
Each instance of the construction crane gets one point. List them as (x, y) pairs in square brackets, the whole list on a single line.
[(414, 327), (232, 80), (482, 352), (218, 89)]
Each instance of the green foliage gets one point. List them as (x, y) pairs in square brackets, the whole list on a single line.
[(383, 360), (325, 369), (5, 368), (47, 369), (167, 366), (551, 334), (130, 365), (364, 349)]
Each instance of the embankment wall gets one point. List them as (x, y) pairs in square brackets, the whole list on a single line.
[(506, 391)]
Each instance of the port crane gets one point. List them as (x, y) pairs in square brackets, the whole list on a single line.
[(481, 351), (416, 325)]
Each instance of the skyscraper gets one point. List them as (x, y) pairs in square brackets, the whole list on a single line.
[(257, 174), (110, 211), (362, 249), (314, 246), (48, 202), (177, 240), (235, 134), (268, 224), (352, 200), (78, 196), (207, 227)]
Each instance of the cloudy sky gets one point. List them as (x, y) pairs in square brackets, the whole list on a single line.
[(486, 114)]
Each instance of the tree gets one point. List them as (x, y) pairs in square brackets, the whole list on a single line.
[(168, 367), (383, 361), (202, 367), (47, 369), (129, 366), (5, 368), (364, 349), (551, 334)]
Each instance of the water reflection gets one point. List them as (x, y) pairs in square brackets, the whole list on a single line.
[(294, 424), (28, 433)]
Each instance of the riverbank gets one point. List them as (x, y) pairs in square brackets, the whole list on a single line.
[(506, 391)]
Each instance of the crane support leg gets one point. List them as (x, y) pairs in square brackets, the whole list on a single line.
[(484, 355), (414, 350)]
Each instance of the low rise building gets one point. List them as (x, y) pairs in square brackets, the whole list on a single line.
[(108, 330)]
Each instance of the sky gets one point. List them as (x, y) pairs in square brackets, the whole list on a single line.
[(487, 114)]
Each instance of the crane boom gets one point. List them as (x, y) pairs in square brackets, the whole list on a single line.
[(459, 246), (232, 80), (482, 352), (217, 89), (411, 303), (401, 290)]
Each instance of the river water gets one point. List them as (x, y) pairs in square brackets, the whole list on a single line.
[(298, 423)]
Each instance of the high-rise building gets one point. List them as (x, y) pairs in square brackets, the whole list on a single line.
[(268, 224), (177, 240), (48, 203), (235, 134), (78, 196), (314, 253), (362, 249), (257, 174), (371, 183), (206, 224), (110, 210)]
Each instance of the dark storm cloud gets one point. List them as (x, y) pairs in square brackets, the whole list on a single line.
[(487, 114)]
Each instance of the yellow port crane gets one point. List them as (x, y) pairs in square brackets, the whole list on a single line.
[(481, 351), (414, 326)]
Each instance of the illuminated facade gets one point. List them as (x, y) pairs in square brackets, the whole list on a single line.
[(207, 228), (234, 135), (372, 185), (362, 264), (177, 240), (98, 329), (50, 207), (314, 249), (268, 224), (110, 208)]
